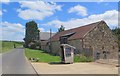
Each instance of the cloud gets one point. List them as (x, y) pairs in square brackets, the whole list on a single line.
[(12, 31), (4, 10), (5, 1), (37, 10), (80, 10), (1, 13), (41, 29), (110, 17), (34, 14)]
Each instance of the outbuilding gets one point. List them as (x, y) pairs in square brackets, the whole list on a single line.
[(93, 40)]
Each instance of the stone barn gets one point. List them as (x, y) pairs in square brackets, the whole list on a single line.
[(93, 40)]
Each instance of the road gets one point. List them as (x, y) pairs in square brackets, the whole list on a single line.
[(15, 62)]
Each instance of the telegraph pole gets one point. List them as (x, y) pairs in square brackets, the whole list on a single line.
[(39, 39), (50, 41)]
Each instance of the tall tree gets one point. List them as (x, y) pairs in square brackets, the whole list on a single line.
[(62, 28), (32, 33)]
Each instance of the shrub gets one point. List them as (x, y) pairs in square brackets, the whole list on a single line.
[(32, 45), (78, 58)]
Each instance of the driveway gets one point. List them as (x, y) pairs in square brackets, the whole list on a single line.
[(76, 68), (15, 62)]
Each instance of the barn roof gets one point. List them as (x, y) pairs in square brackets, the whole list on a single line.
[(80, 32)]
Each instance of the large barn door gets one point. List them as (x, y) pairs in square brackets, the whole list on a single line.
[(62, 54)]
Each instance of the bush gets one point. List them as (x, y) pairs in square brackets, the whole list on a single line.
[(32, 45), (78, 58)]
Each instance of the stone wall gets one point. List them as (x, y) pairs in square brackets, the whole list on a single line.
[(102, 39), (76, 43), (43, 45), (55, 47)]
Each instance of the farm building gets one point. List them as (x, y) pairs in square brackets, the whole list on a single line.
[(44, 37), (93, 40)]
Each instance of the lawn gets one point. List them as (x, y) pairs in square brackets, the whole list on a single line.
[(8, 45), (43, 57)]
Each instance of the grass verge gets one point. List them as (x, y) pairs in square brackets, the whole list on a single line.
[(43, 57)]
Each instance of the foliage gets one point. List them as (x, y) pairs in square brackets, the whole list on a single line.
[(32, 45), (78, 58), (43, 57), (116, 30), (32, 33), (8, 45), (62, 28), (117, 33)]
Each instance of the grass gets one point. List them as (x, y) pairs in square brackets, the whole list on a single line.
[(43, 57), (8, 45)]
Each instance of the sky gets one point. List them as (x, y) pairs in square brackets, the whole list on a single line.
[(51, 15)]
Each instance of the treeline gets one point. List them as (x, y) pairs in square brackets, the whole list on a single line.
[(17, 42)]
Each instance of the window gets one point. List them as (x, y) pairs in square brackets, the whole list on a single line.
[(104, 55), (102, 47), (113, 47), (63, 40), (68, 52)]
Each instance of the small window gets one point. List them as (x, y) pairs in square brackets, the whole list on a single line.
[(102, 47), (119, 50), (113, 47), (104, 52), (63, 40)]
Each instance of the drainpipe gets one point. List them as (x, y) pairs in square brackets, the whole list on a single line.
[(82, 46)]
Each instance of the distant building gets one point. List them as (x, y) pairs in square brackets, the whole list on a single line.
[(44, 37), (93, 40)]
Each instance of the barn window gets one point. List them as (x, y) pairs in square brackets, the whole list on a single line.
[(104, 54), (64, 38), (113, 47), (102, 47)]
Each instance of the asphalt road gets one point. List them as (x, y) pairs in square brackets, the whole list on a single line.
[(15, 62)]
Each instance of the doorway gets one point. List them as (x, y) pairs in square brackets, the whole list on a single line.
[(62, 54)]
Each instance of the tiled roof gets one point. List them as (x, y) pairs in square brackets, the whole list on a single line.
[(80, 32)]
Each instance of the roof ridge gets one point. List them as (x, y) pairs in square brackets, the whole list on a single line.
[(84, 25), (93, 28), (81, 31)]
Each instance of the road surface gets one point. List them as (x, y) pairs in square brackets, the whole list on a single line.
[(15, 62)]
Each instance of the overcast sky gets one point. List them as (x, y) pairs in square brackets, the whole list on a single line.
[(51, 15)]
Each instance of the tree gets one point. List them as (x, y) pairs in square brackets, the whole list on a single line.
[(117, 33), (32, 33), (116, 30), (62, 28)]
